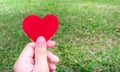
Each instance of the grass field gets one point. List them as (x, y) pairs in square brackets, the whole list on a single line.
[(88, 37)]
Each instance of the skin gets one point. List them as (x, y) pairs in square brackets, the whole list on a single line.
[(36, 58)]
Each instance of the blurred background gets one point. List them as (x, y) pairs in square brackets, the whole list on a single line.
[(88, 38)]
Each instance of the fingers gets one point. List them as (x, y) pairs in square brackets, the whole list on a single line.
[(25, 61), (52, 67), (28, 51), (52, 58), (40, 49), (41, 63), (51, 44)]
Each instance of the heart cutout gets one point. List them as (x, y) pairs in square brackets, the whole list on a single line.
[(34, 26)]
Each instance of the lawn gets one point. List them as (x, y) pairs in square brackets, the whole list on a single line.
[(88, 38)]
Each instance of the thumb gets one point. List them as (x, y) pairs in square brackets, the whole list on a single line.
[(41, 63)]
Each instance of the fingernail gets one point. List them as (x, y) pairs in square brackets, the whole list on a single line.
[(41, 41)]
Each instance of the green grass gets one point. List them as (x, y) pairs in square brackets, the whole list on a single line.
[(88, 37)]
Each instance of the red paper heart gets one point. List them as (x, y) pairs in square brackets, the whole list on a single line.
[(34, 26)]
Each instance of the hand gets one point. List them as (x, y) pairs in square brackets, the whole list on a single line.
[(36, 58)]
